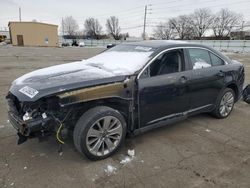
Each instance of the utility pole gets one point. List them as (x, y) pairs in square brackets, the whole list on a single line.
[(144, 25), (62, 27), (242, 30), (20, 14)]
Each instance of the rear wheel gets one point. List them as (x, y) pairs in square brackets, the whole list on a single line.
[(99, 132), (225, 104)]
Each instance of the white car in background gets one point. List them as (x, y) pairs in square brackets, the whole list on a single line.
[(81, 44)]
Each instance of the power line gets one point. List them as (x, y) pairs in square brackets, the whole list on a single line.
[(132, 27), (164, 2), (121, 12), (8, 18), (220, 5), (183, 5)]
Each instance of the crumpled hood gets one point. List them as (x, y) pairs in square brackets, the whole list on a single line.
[(60, 78)]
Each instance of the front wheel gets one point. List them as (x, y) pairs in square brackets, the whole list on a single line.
[(99, 132), (225, 104)]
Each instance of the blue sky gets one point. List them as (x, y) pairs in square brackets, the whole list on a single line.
[(129, 12)]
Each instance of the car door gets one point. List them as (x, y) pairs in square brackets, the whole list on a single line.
[(207, 78), (162, 88)]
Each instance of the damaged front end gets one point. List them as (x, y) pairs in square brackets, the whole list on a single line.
[(32, 119)]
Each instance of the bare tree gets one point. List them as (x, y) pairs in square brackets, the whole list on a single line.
[(202, 19), (113, 28), (69, 25), (93, 28), (224, 21), (163, 31), (182, 25)]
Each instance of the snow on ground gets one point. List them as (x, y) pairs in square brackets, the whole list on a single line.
[(109, 170), (126, 160)]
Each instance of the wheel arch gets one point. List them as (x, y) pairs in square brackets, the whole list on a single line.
[(235, 88)]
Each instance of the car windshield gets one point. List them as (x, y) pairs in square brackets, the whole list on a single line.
[(122, 59)]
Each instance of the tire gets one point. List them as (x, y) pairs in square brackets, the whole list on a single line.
[(246, 94), (99, 125), (218, 111)]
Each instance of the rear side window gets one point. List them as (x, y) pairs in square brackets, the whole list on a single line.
[(200, 58), (216, 61)]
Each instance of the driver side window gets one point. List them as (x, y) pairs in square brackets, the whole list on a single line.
[(167, 63)]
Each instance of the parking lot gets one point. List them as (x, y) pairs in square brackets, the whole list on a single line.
[(198, 152)]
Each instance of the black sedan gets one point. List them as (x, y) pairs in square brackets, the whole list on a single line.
[(128, 89)]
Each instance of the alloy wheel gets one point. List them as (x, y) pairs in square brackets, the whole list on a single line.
[(104, 136), (226, 104)]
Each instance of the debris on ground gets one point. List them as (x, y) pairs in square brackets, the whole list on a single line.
[(126, 160), (43, 154), (207, 130), (129, 157), (131, 152), (25, 168), (110, 170), (12, 184)]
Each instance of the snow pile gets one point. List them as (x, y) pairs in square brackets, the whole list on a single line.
[(110, 170)]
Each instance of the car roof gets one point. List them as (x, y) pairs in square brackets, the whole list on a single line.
[(164, 43), (160, 45)]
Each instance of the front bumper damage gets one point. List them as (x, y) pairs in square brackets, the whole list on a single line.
[(38, 127)]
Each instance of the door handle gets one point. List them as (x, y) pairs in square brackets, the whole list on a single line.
[(220, 74), (183, 79)]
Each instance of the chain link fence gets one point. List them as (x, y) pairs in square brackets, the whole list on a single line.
[(222, 45)]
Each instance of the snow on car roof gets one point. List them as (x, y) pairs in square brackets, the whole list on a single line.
[(120, 62)]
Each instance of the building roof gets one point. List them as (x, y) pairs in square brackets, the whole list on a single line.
[(40, 23)]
